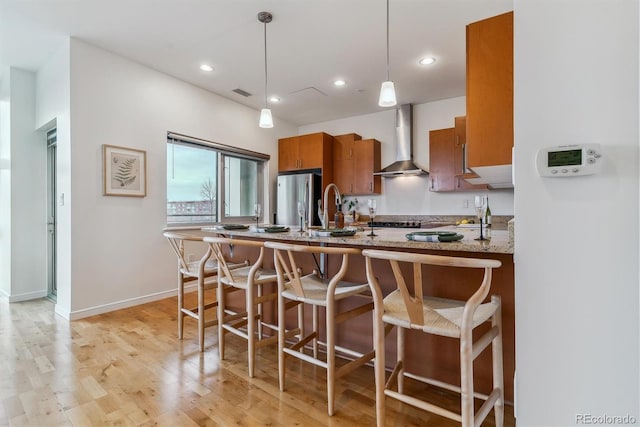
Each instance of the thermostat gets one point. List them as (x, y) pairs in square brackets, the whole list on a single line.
[(569, 160)]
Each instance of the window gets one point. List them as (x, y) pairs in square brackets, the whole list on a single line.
[(241, 186), (210, 182)]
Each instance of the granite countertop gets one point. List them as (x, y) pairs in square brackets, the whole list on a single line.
[(501, 240)]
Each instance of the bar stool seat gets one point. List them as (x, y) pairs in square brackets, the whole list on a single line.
[(243, 277), (315, 290), (441, 316)]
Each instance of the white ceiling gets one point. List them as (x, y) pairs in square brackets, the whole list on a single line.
[(310, 44)]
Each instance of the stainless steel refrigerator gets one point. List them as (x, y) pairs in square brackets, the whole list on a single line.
[(292, 188)]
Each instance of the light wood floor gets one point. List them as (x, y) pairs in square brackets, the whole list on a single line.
[(128, 368)]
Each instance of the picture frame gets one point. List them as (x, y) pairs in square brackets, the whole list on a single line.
[(124, 171)]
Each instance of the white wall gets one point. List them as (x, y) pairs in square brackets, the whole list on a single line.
[(5, 184), (119, 256), (411, 195), (53, 107), (576, 260), (28, 192), (23, 224)]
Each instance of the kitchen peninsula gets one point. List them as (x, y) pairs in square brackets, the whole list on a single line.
[(433, 357), (501, 241)]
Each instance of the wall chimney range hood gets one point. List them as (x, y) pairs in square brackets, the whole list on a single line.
[(404, 146)]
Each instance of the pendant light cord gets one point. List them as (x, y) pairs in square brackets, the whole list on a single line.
[(265, 65), (387, 40)]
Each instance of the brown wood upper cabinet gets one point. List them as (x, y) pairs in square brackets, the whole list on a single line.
[(354, 162), (446, 159), (490, 91), (312, 151), (441, 167)]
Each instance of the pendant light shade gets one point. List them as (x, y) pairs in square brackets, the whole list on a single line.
[(266, 120), (387, 90), (387, 95)]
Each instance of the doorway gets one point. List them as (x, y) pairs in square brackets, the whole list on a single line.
[(52, 288)]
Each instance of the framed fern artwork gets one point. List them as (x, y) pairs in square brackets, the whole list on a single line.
[(124, 171)]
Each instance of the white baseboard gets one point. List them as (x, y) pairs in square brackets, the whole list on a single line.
[(118, 305), (26, 296)]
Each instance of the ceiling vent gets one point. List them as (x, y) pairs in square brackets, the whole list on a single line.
[(242, 92)]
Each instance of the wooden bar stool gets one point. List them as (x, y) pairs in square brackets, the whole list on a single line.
[(248, 324), (203, 272), (408, 309), (312, 289)]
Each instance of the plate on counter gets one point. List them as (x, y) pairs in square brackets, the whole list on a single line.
[(434, 236), (338, 232), (235, 226), (229, 227), (270, 229)]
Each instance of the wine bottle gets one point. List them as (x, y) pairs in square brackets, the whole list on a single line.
[(487, 215), (339, 218)]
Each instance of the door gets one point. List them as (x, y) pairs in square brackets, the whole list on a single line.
[(51, 214)]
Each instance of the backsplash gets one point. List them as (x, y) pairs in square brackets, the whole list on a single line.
[(498, 222)]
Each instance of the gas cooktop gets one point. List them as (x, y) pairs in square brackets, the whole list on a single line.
[(395, 224)]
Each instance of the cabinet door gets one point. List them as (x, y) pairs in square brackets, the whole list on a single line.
[(343, 175), (459, 147), (490, 91), (366, 161), (311, 150), (288, 154), (343, 146), (441, 165)]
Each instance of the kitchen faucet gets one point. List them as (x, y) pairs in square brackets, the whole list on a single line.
[(323, 210)]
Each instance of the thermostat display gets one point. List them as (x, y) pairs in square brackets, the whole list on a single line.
[(569, 160), (564, 158)]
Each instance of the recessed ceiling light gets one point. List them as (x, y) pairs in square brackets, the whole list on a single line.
[(339, 82), (206, 67), (274, 99), (427, 61)]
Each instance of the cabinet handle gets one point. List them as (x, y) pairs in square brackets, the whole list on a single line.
[(457, 140), (350, 153), (464, 158), (432, 179), (458, 181)]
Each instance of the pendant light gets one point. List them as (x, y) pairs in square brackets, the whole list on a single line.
[(266, 120), (387, 90)]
